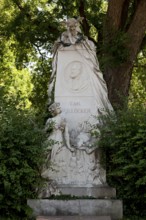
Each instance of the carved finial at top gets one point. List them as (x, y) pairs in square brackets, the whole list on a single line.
[(73, 25), (73, 34)]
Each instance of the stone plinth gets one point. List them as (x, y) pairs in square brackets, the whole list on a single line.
[(99, 192), (80, 207), (74, 218)]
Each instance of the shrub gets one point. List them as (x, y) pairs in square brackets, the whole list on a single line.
[(20, 160), (123, 139)]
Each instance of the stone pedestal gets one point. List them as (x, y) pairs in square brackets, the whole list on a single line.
[(79, 207), (99, 192), (74, 218)]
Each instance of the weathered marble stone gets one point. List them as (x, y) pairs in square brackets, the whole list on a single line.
[(81, 92), (96, 207), (100, 192), (74, 218), (78, 86), (74, 92), (79, 95)]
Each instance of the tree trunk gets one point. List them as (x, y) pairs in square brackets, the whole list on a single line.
[(118, 83), (118, 78)]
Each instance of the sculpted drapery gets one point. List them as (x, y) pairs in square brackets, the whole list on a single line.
[(77, 84), (73, 36)]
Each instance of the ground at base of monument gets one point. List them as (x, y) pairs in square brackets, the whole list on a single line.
[(73, 218)]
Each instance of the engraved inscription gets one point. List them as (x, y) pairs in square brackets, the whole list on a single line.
[(76, 110), (75, 103)]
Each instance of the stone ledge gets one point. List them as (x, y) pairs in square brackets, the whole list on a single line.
[(79, 207), (74, 218), (96, 192)]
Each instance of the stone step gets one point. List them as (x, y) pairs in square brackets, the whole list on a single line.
[(73, 218), (96, 192), (77, 208)]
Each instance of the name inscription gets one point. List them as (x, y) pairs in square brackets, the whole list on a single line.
[(74, 103), (76, 110)]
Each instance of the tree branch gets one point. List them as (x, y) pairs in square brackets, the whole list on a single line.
[(132, 10), (86, 27), (124, 14), (22, 9), (143, 43), (136, 31), (114, 13), (140, 65)]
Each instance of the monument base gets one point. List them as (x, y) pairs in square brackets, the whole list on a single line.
[(77, 207), (100, 192), (74, 218)]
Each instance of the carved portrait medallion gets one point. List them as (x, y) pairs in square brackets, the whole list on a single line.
[(76, 78)]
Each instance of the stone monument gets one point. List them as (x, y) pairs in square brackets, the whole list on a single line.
[(82, 94), (77, 96)]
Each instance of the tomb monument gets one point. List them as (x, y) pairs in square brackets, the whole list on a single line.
[(77, 97)]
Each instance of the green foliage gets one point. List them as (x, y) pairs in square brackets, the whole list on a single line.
[(27, 30), (123, 139), (21, 158), (14, 82), (133, 218), (114, 52), (138, 82), (40, 77)]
